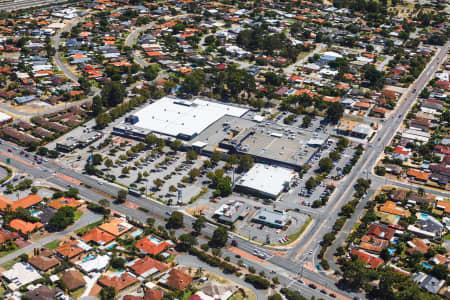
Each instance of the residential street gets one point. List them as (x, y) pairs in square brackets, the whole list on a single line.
[(85, 220)]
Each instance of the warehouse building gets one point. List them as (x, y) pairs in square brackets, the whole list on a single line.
[(284, 146), (265, 181), (172, 117)]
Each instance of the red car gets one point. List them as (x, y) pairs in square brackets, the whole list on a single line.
[(9, 150)]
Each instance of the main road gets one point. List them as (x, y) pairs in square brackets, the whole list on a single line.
[(374, 150), (95, 191)]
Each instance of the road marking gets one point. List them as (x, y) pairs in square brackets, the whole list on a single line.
[(18, 159), (245, 254), (69, 179)]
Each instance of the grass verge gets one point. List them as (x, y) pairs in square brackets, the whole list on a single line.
[(85, 229), (293, 237), (52, 245)]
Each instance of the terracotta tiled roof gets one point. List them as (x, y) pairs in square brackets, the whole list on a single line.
[(25, 202), (373, 261), (147, 263), (64, 201), (418, 174), (390, 208), (153, 295), (116, 227), (6, 235), (119, 282), (372, 244), (43, 263), (178, 280), (69, 249), (149, 247), (99, 236), (444, 205), (381, 232), (25, 227), (419, 246)]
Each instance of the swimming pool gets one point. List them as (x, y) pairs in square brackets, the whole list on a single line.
[(155, 240), (391, 251), (395, 241), (136, 233), (426, 265), (424, 216), (89, 257), (111, 246)]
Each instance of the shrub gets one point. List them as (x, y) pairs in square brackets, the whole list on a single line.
[(257, 282)]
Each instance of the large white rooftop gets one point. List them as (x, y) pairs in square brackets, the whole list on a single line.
[(97, 263), (173, 117), (268, 180), (21, 274)]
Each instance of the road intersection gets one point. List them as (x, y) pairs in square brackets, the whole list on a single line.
[(293, 262)]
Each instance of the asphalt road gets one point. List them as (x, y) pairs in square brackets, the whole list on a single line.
[(309, 240), (375, 149), (131, 39), (23, 4)]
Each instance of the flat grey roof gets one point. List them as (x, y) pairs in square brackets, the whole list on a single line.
[(275, 217), (216, 132), (287, 144)]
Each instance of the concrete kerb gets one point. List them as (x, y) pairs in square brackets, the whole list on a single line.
[(412, 103), (273, 248)]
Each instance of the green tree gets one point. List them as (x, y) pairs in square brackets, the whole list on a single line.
[(109, 163), (220, 237), (112, 93), (97, 105), (199, 224), (176, 220), (118, 263), (158, 182), (325, 164), (63, 218), (356, 275), (216, 156), (191, 155), (151, 72), (102, 120), (176, 145), (306, 121), (193, 83), (121, 196), (193, 173), (96, 159), (42, 151), (335, 112), (108, 293), (245, 162), (311, 183), (373, 76), (440, 272), (224, 187), (186, 241)]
